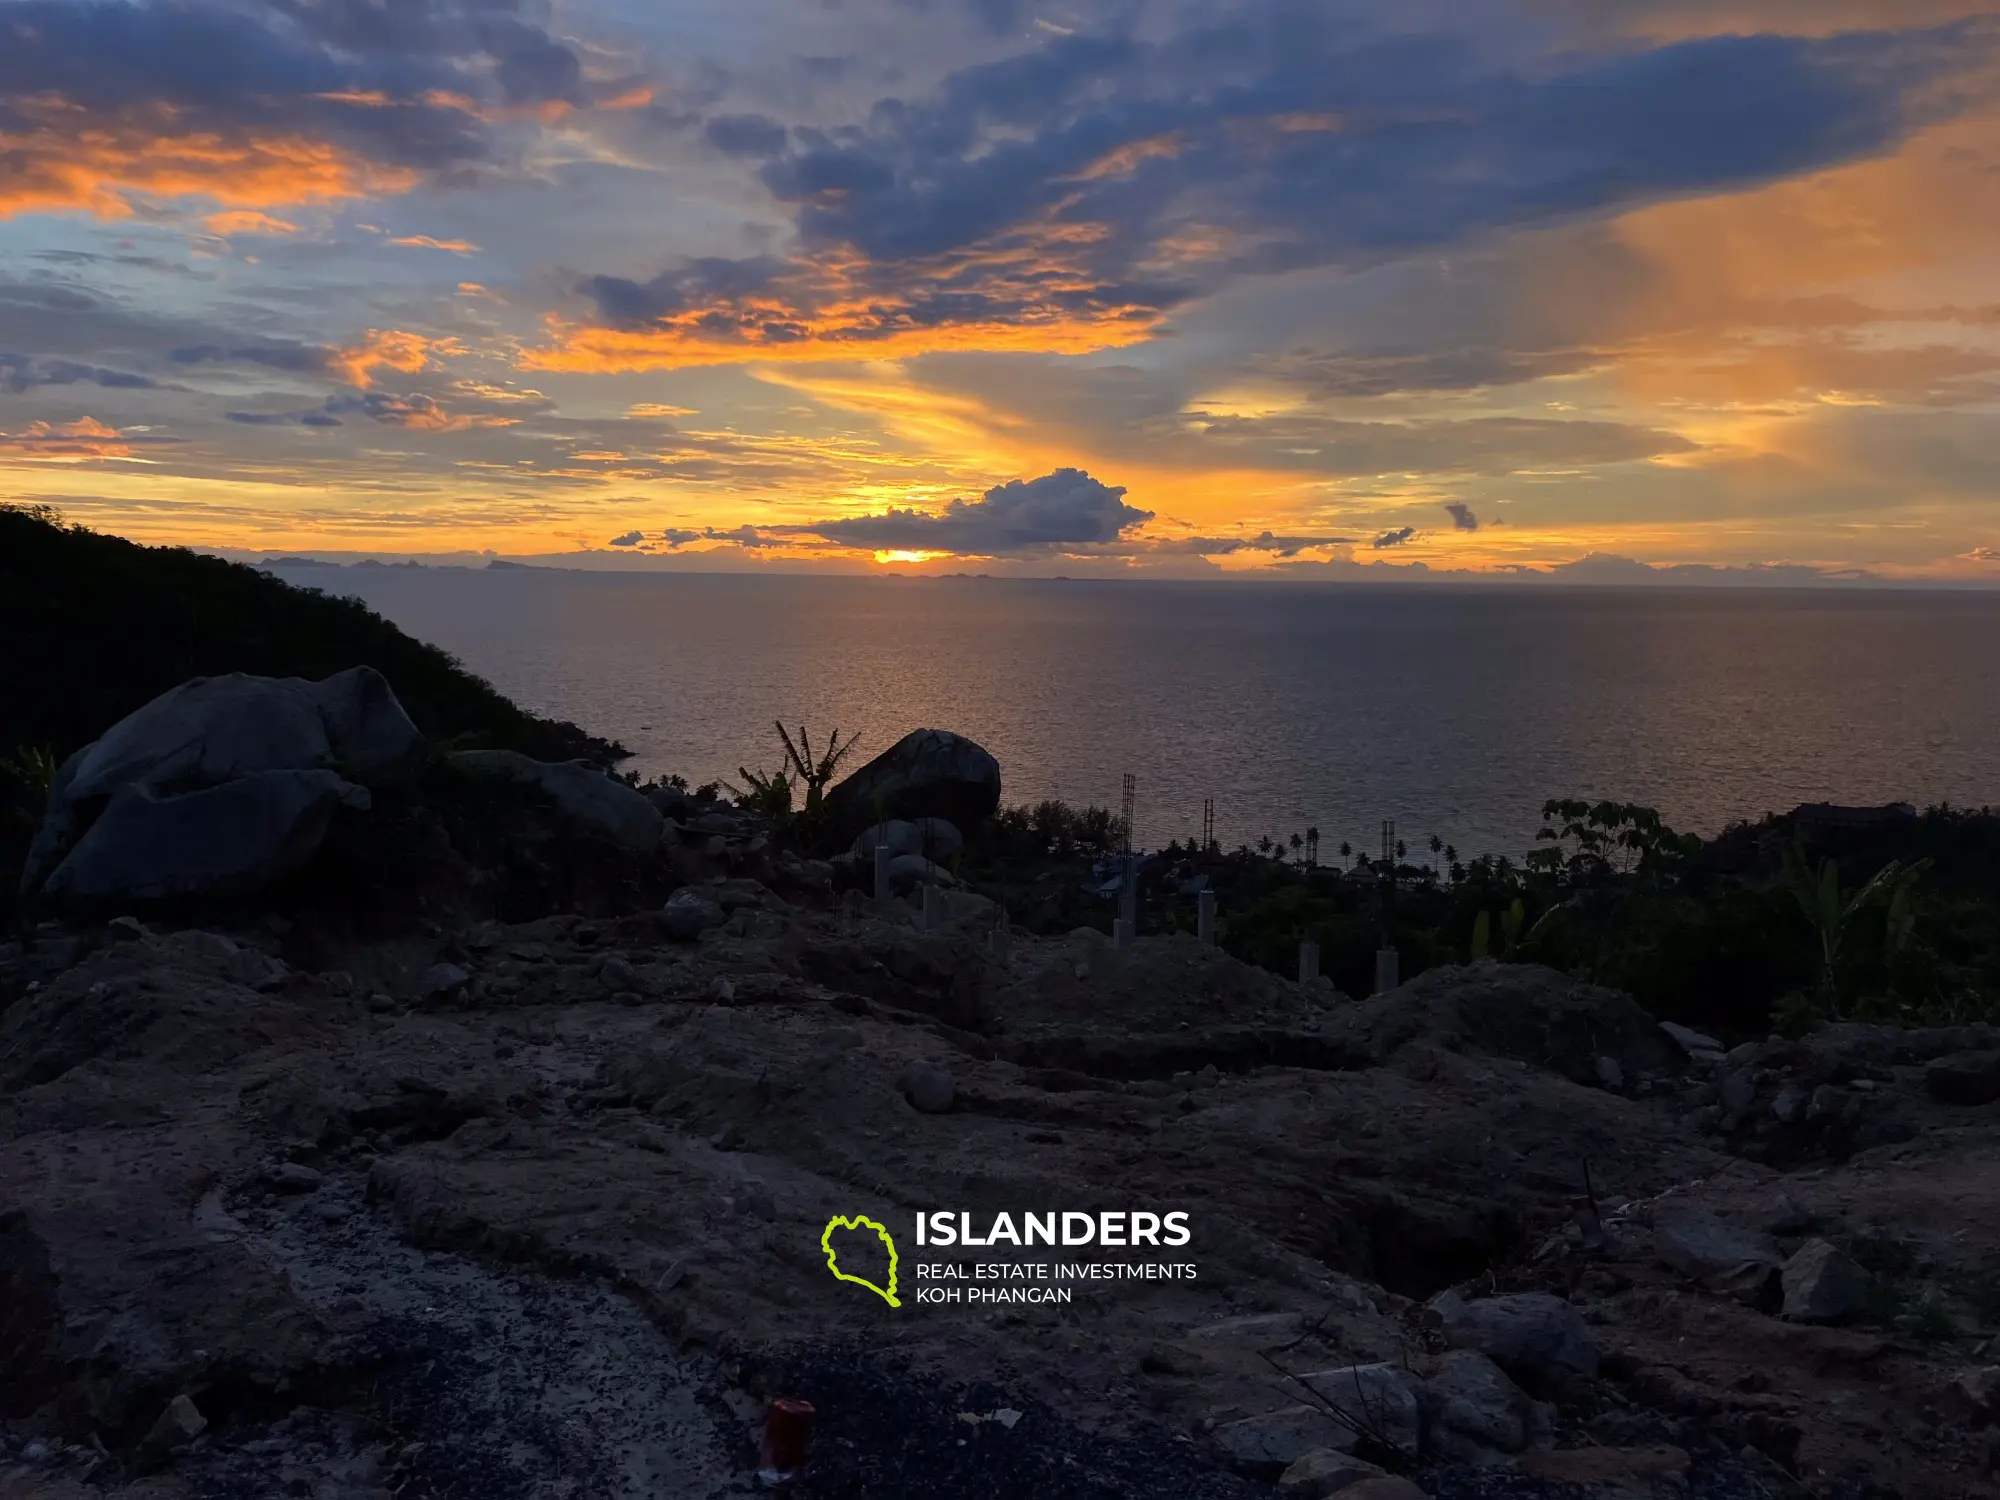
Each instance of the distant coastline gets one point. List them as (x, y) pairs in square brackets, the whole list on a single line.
[(1597, 571)]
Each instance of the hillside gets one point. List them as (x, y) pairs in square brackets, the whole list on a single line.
[(94, 626)]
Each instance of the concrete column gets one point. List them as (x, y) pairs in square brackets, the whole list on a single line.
[(1121, 934), (1308, 962), (1385, 970), (1128, 894), (1205, 917), (882, 858), (933, 908)]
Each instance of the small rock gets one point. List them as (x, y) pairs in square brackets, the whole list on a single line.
[(1786, 1216), (1610, 1074), (1533, 1336), (1969, 1078), (1690, 1039), (930, 1090), (445, 979), (380, 1004), (1383, 1487), (1828, 1102), (1789, 1105), (330, 1210), (1379, 1402), (36, 1451), (1472, 1398), (1738, 1091), (257, 971), (1824, 1286), (1976, 1392), (293, 1177), (1324, 1472), (617, 974), (1702, 1246), (126, 930), (688, 914), (1274, 1441), (721, 990), (182, 1422)]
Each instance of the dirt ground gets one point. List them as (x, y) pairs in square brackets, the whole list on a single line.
[(536, 1210)]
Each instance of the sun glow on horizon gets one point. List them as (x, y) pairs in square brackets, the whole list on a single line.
[(899, 555)]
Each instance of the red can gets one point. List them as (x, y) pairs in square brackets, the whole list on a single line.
[(788, 1430)]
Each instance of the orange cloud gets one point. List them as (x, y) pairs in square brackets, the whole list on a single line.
[(1023, 295), (247, 221), (388, 349), (86, 437), (66, 160), (425, 242)]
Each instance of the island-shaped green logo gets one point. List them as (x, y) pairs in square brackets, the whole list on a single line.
[(858, 1222)]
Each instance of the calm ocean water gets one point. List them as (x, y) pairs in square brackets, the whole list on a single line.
[(1455, 711)]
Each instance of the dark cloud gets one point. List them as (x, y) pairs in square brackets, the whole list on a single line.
[(271, 102), (746, 135), (1315, 144), (313, 418), (679, 536), (1462, 518), (746, 536), (629, 539), (19, 373), (1062, 509), (703, 282), (1230, 546), (292, 358), (1394, 538)]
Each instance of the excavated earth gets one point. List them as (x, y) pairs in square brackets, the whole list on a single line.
[(536, 1210)]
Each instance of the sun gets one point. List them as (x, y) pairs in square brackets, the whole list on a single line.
[(906, 557)]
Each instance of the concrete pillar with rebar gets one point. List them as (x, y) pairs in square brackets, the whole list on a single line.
[(1386, 966), (1204, 927)]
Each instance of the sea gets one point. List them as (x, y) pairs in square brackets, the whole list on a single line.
[(1453, 711)]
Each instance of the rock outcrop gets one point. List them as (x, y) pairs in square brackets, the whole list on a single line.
[(217, 786), (929, 773), (579, 791)]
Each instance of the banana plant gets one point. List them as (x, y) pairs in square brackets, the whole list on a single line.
[(1834, 913), (1511, 921)]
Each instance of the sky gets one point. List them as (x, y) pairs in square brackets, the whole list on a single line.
[(1285, 288)]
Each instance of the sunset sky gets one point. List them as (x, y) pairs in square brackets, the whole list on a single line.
[(1094, 285)]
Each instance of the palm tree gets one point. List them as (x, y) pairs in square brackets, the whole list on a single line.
[(1298, 843), (1264, 843), (1346, 849), (1437, 847)]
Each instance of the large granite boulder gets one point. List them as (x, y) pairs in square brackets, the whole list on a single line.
[(928, 773), (579, 791), (231, 839), (928, 837), (220, 784)]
